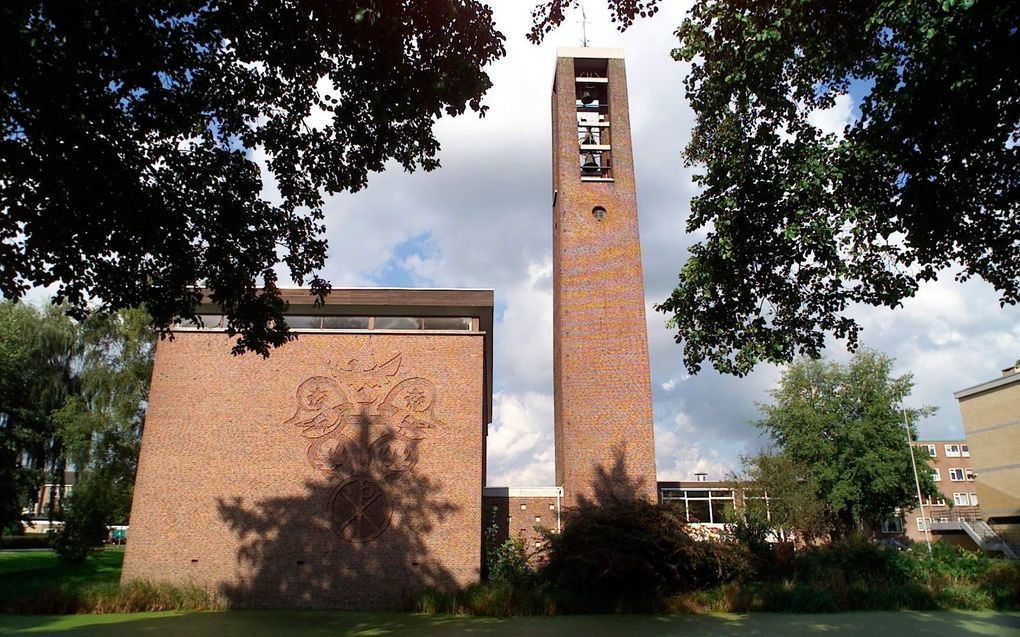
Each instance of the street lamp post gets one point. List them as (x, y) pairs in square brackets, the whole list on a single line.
[(917, 481)]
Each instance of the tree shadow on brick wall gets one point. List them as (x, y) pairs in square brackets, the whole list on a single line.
[(358, 537), (613, 482)]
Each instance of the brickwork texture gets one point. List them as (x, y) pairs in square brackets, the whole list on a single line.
[(344, 471)]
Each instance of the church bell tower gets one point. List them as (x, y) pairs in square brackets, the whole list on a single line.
[(601, 379)]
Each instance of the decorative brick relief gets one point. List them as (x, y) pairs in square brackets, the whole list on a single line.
[(366, 429)]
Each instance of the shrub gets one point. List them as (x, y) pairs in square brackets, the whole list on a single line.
[(34, 541), (629, 555), (132, 597), (854, 558), (509, 563), (1002, 584), (88, 508)]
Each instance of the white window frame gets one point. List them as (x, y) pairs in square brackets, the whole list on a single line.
[(957, 474), (971, 476), (953, 451), (931, 450), (973, 500), (921, 526), (961, 499), (936, 475), (892, 525), (965, 451)]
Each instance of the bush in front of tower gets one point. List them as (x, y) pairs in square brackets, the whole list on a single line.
[(630, 555)]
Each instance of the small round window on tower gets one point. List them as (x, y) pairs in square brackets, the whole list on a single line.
[(599, 213)]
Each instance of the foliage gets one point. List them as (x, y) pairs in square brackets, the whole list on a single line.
[(492, 599), (71, 394), (843, 425), (550, 14), (627, 555), (35, 377), (751, 528), (38, 583), (88, 509), (133, 132), (506, 562), (509, 563), (802, 224), (792, 497), (26, 541)]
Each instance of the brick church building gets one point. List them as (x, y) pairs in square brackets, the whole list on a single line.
[(348, 468)]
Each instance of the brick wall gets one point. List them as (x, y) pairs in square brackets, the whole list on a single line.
[(947, 487), (522, 517), (275, 489)]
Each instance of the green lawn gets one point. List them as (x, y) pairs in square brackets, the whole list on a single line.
[(337, 624), (27, 573), (30, 573)]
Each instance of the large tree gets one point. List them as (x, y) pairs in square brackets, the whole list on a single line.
[(72, 395), (843, 425), (782, 495), (802, 225), (129, 132), (38, 350)]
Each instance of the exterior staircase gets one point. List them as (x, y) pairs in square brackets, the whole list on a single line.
[(986, 538)]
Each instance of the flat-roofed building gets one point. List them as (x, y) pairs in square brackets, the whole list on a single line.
[(344, 470), (951, 469), (991, 419)]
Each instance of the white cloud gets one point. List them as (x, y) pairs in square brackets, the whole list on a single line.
[(484, 220), (521, 447), (833, 120)]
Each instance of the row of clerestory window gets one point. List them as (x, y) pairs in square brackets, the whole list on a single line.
[(311, 322)]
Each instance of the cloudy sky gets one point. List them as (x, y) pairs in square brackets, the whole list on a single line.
[(483, 220)]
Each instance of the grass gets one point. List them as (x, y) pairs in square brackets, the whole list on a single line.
[(38, 583), (26, 573), (337, 624)]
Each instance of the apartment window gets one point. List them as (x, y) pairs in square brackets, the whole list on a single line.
[(922, 524), (931, 450), (952, 451), (965, 451), (961, 499), (970, 474), (894, 525), (936, 476), (973, 499), (936, 503), (956, 475)]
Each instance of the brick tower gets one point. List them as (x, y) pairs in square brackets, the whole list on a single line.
[(603, 398)]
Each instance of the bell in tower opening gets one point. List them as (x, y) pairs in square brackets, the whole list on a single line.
[(592, 105)]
